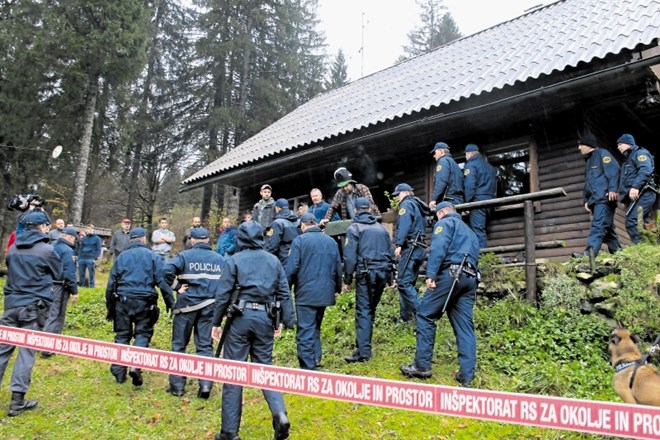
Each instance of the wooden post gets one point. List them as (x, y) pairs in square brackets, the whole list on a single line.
[(530, 252)]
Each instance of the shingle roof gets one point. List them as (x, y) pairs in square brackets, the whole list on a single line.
[(538, 43)]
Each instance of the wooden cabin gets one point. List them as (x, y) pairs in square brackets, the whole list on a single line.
[(524, 91)]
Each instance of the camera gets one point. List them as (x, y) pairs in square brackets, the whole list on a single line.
[(22, 202)]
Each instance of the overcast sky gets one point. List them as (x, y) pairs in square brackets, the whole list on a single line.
[(387, 23)]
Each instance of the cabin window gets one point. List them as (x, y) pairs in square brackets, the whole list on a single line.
[(513, 171)]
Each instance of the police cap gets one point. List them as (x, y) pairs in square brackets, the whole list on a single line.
[(402, 187), (70, 231), (589, 140), (362, 202), (443, 205), (35, 218), (199, 233), (440, 145), (471, 147), (307, 217), (282, 203), (137, 233), (626, 139)]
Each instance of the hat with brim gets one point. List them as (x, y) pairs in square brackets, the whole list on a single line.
[(401, 187), (443, 205), (440, 145), (199, 233), (344, 183), (137, 233), (70, 231)]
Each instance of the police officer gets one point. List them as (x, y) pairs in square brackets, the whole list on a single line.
[(410, 248), (32, 264), (282, 231), (448, 180), (452, 283), (65, 286), (601, 177), (479, 183), (194, 273), (131, 298), (368, 252), (260, 281), (637, 172), (314, 268)]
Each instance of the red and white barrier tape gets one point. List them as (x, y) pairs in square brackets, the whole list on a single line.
[(614, 419)]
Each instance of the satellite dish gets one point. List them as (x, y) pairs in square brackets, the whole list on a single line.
[(57, 151)]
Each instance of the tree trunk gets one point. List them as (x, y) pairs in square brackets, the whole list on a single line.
[(85, 146)]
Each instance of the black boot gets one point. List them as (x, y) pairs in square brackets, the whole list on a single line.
[(281, 426), (18, 404), (226, 436)]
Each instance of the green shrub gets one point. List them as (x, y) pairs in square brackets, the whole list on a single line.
[(562, 292), (638, 307)]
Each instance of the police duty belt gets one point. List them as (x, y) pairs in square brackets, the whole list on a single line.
[(194, 308)]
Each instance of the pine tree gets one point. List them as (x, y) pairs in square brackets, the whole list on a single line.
[(437, 28), (338, 75)]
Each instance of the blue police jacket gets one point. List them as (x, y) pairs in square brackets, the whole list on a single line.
[(451, 239), (257, 274), (65, 251), (449, 178), (601, 175), (314, 267), (89, 247), (198, 267), (136, 273), (411, 221), (637, 170), (282, 231), (321, 209), (227, 241), (480, 179), (32, 265), (367, 246)]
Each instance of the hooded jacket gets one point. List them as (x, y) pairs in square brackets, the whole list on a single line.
[(368, 245), (32, 265), (257, 274), (281, 233)]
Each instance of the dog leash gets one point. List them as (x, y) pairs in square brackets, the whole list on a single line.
[(655, 347)]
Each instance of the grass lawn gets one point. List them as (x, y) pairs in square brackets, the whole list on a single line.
[(79, 399)]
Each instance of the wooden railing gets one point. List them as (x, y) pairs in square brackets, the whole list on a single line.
[(530, 243)]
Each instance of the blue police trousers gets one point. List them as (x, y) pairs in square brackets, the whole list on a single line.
[(250, 334), (308, 335), (646, 202), (602, 228), (201, 322), (459, 311), (368, 291), (408, 295), (25, 317)]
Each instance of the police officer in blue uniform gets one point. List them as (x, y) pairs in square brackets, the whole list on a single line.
[(260, 281), (448, 180), (368, 252), (282, 231), (314, 268), (194, 273), (451, 269), (601, 178), (410, 248), (479, 183), (637, 172), (131, 298), (65, 286), (32, 265)]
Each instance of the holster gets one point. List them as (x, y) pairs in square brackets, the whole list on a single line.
[(275, 313), (154, 315), (42, 313)]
